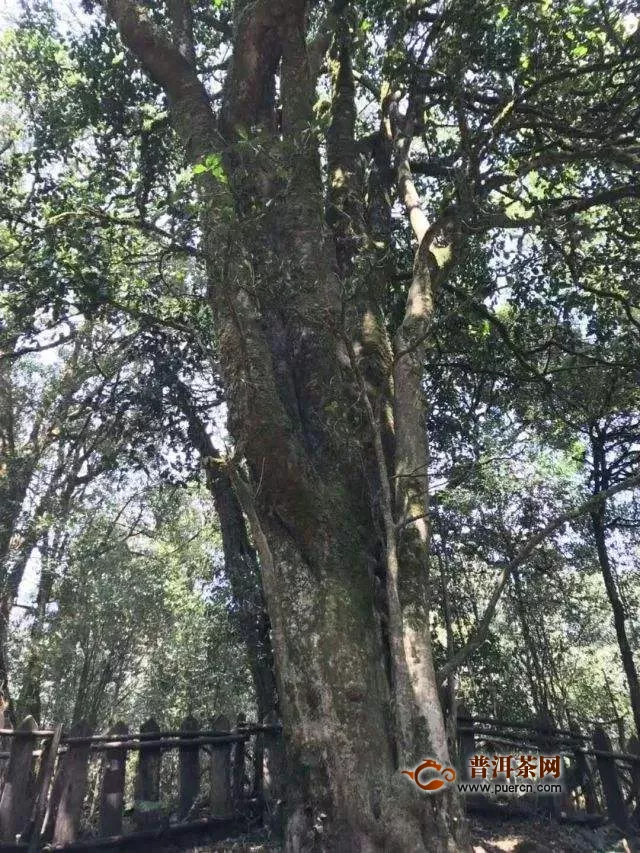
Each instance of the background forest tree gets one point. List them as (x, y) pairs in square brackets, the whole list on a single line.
[(319, 366)]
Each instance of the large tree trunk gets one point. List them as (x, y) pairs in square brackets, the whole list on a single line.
[(344, 791), (356, 709)]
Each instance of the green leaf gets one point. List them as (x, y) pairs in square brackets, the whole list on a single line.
[(213, 165)]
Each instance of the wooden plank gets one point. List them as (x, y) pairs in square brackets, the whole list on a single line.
[(466, 748), (616, 807), (466, 743), (189, 760), (220, 797), (147, 784), (38, 733), (514, 724), (190, 741), (18, 793), (112, 792), (69, 789)]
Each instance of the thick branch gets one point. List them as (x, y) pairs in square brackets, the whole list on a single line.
[(249, 98), (168, 67), (560, 207), (402, 132), (318, 46), (181, 15)]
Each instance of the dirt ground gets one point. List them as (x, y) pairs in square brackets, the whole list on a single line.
[(492, 835)]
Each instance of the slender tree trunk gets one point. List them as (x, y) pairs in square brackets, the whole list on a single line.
[(15, 471), (450, 703), (243, 572), (82, 687), (241, 563), (536, 677), (29, 700), (14, 482), (619, 616), (54, 502)]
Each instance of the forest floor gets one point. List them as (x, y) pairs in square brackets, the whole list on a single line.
[(489, 835), (539, 835)]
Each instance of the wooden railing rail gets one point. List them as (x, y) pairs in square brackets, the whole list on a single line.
[(246, 728)]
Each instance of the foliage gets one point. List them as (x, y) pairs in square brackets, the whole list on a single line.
[(523, 144)]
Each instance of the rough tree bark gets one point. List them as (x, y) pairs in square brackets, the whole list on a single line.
[(303, 422)]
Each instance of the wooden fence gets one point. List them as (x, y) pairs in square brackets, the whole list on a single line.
[(225, 776), (80, 790), (598, 781)]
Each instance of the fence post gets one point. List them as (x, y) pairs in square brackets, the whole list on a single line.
[(112, 793), (616, 808), (5, 742), (70, 787), (466, 744), (273, 775), (548, 803), (19, 787), (238, 763), (220, 800), (147, 784), (633, 747), (257, 762), (583, 772), (35, 832), (189, 768)]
